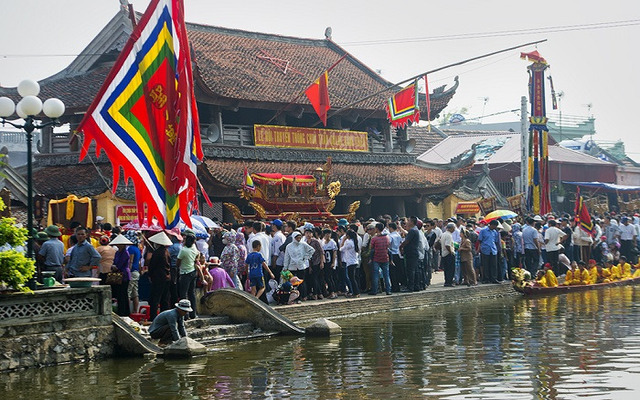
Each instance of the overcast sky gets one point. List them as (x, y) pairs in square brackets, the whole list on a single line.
[(591, 66)]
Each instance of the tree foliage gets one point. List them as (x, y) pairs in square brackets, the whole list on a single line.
[(15, 268)]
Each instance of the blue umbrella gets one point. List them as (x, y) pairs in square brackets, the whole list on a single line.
[(206, 222), (197, 227)]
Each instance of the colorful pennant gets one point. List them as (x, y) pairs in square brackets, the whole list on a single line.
[(583, 218), (403, 108)]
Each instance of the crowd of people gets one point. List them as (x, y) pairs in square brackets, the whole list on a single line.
[(284, 262)]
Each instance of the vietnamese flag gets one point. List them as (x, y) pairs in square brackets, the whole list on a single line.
[(318, 95)]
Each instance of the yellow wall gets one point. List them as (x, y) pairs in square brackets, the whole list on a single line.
[(435, 211), (446, 208), (106, 206)]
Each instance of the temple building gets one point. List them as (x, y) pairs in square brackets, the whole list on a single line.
[(250, 96)]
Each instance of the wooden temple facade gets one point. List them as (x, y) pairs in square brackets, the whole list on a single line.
[(248, 79)]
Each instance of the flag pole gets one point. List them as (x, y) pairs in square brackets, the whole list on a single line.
[(338, 111)]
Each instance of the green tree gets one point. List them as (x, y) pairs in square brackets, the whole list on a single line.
[(15, 268)]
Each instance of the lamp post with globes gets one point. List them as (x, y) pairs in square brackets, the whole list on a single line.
[(28, 108)]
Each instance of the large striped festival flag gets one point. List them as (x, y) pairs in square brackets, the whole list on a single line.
[(145, 117), (538, 192)]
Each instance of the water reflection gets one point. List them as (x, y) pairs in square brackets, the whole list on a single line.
[(569, 346)]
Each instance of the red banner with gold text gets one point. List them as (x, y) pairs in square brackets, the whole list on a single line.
[(310, 138)]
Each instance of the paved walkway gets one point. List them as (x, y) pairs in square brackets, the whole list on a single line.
[(308, 311)]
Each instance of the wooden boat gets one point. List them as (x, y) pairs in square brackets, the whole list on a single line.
[(560, 289)]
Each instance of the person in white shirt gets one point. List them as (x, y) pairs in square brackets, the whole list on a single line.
[(627, 239), (396, 265), (277, 255), (447, 253), (262, 237), (552, 238), (296, 259)]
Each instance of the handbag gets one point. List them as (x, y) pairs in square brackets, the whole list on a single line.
[(114, 278)]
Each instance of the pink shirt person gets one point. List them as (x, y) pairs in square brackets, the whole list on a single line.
[(221, 278)]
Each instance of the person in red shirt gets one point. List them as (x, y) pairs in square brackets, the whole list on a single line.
[(380, 259)]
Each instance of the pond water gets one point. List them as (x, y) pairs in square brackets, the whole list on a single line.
[(569, 346)]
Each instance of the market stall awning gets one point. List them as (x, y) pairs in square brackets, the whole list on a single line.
[(605, 186)]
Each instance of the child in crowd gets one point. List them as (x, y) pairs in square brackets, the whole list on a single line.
[(255, 263)]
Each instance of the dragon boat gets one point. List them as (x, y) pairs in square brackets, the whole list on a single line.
[(528, 290)]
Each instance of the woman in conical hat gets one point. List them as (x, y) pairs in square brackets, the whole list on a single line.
[(159, 273), (122, 264)]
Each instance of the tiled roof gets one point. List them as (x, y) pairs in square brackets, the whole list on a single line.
[(227, 61), (351, 176), (424, 138), (227, 66), (80, 179)]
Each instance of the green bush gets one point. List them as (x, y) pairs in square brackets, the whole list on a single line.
[(15, 268)]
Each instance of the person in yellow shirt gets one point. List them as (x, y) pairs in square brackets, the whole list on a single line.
[(541, 279), (552, 280), (593, 272), (625, 268), (615, 273), (604, 273), (582, 277), (636, 274), (570, 273)]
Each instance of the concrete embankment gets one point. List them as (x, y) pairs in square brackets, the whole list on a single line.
[(309, 311)]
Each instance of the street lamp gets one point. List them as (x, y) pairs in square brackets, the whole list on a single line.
[(28, 109)]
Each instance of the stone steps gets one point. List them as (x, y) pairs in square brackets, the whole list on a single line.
[(214, 331), (207, 321), (217, 329)]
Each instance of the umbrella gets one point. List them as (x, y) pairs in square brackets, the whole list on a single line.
[(504, 214), (207, 222), (135, 226), (197, 227)]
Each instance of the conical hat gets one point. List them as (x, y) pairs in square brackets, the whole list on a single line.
[(161, 238), (121, 239)]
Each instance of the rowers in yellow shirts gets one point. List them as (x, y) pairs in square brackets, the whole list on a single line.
[(605, 273), (581, 277), (550, 277), (625, 268), (568, 278), (615, 273), (593, 272)]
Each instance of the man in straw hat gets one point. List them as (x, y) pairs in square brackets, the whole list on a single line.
[(51, 252), (168, 326)]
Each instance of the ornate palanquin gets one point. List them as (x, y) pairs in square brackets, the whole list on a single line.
[(299, 197)]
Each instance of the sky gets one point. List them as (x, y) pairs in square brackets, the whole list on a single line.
[(594, 68)]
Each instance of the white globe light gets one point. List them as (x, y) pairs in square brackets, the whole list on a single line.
[(31, 105), (28, 88), (19, 111), (7, 107), (53, 108)]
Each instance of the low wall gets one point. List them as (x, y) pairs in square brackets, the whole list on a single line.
[(309, 311), (55, 326)]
